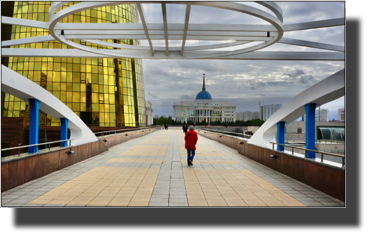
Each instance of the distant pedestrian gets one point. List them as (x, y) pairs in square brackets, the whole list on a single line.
[(184, 128), (191, 139)]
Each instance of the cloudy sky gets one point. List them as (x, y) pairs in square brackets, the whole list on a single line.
[(244, 83)]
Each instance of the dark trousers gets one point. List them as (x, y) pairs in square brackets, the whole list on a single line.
[(190, 156)]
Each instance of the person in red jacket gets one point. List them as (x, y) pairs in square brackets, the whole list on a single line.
[(191, 139)]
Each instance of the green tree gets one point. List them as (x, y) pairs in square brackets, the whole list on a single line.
[(169, 120)]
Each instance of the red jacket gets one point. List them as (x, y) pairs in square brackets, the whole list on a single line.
[(191, 139)]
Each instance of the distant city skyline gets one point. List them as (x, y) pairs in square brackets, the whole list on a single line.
[(332, 114)]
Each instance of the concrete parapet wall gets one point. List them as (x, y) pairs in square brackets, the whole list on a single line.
[(225, 139), (253, 129), (323, 177), (19, 171), (298, 137), (334, 148)]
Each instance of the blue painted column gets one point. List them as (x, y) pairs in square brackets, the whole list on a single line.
[(310, 129), (280, 135), (33, 124), (64, 127)]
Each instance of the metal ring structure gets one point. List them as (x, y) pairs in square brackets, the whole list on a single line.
[(276, 28)]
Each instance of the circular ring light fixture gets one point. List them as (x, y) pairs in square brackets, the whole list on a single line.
[(267, 34)]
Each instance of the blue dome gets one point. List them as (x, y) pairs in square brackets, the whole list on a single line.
[(203, 95)]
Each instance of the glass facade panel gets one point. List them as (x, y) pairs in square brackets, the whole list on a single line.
[(93, 88)]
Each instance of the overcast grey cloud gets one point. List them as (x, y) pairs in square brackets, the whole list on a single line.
[(295, 73), (244, 83)]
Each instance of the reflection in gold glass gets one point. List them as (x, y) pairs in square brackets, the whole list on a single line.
[(111, 80)]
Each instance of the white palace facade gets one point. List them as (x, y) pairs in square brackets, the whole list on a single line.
[(204, 109)]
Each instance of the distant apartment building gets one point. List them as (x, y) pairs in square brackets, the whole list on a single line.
[(267, 110), (247, 115), (341, 115), (256, 115), (324, 115)]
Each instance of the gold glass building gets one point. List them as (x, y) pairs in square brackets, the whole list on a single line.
[(101, 91)]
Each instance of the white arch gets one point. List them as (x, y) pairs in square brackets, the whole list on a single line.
[(324, 91), (25, 89)]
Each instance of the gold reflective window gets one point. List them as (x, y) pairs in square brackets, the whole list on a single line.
[(75, 86), (62, 76), (95, 98), (95, 107), (69, 76), (112, 99), (76, 106), (76, 67), (63, 86)]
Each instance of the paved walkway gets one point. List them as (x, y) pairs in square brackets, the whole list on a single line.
[(152, 171)]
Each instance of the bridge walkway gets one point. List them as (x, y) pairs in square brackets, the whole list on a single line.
[(151, 171)]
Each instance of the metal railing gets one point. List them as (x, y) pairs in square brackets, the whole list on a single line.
[(329, 141), (35, 146), (228, 133), (306, 150)]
